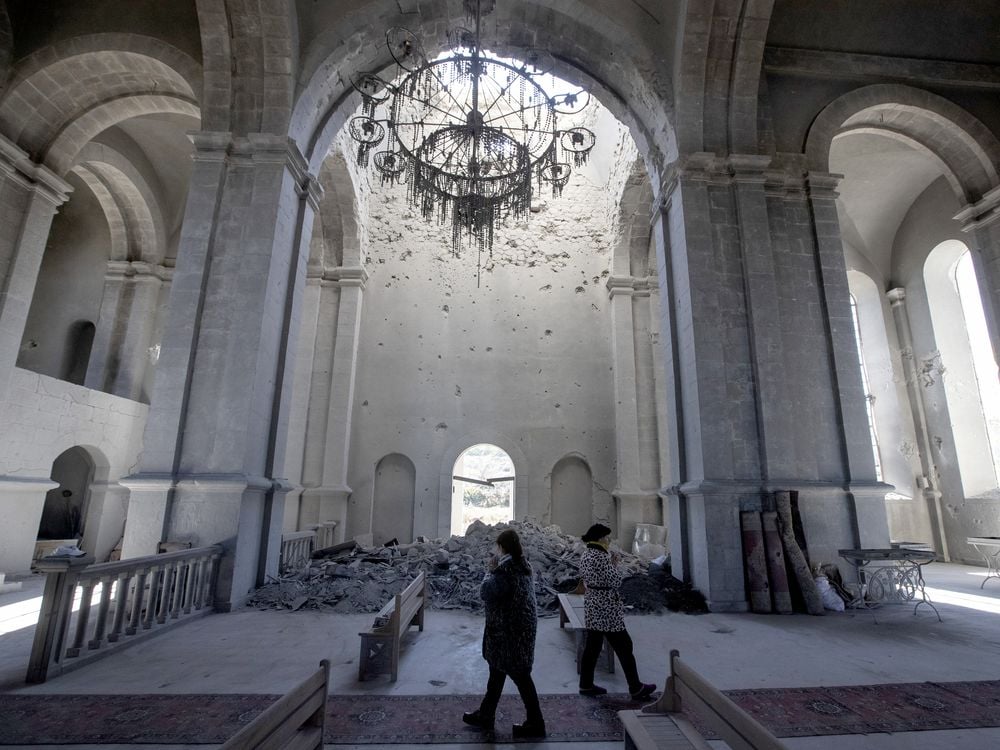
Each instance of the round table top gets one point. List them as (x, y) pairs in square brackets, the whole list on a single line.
[(895, 553)]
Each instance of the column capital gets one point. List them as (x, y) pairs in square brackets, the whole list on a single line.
[(620, 286), (17, 165), (344, 276), (982, 213), (896, 296)]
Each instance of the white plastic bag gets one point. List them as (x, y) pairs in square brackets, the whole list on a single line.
[(831, 600)]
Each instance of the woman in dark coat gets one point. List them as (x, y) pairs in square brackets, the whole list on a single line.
[(604, 615), (509, 637)]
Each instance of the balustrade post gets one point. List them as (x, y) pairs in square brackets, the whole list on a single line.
[(194, 567), (177, 594), (102, 614), (164, 605), (121, 604), (137, 596), (156, 575), (82, 618), (61, 575)]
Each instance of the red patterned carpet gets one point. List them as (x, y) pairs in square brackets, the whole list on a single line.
[(371, 719)]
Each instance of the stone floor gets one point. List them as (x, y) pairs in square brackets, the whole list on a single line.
[(252, 651)]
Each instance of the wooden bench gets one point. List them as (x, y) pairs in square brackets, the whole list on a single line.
[(662, 726), (571, 614), (380, 645), (294, 722)]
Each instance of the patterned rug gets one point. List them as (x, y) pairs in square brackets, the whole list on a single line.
[(424, 719)]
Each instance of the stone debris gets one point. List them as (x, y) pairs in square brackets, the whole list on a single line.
[(352, 578)]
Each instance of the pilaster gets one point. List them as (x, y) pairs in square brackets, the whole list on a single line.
[(928, 481), (215, 439), (29, 197)]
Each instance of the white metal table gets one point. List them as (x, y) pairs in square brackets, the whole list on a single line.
[(899, 579), (989, 548)]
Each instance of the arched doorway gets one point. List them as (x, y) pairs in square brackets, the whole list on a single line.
[(65, 509), (482, 487), (392, 499), (572, 495)]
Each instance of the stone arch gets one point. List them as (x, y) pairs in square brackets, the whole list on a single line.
[(393, 493), (250, 57), (336, 239), (968, 152), (65, 94), (721, 56), (130, 203), (571, 493), (587, 46)]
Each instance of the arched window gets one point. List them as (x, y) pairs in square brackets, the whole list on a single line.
[(482, 487), (965, 366), (983, 361), (866, 385)]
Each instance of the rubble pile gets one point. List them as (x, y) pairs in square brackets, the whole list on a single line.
[(349, 578)]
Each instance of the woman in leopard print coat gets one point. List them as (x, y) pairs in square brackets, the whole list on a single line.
[(604, 615)]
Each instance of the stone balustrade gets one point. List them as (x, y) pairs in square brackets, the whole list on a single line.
[(325, 534), (88, 610), (296, 549)]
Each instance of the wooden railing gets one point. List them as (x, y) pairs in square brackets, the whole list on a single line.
[(296, 549), (118, 603)]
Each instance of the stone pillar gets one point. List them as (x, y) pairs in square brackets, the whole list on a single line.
[(218, 421), (627, 502), (928, 482), (125, 328), (29, 196), (144, 284), (103, 351), (329, 500), (760, 366), (711, 427), (864, 491), (21, 503)]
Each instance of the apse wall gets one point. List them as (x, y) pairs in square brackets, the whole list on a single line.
[(518, 354)]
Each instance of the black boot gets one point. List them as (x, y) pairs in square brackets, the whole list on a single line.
[(476, 719), (529, 729)]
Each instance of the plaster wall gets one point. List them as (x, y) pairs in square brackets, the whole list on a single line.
[(42, 418), (70, 284), (519, 357)]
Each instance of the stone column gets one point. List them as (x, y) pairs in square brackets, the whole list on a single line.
[(144, 286), (218, 421), (329, 500), (124, 333), (928, 482), (103, 354), (712, 440), (628, 510), (866, 493), (29, 196), (760, 366)]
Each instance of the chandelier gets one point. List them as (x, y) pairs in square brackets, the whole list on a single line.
[(470, 133)]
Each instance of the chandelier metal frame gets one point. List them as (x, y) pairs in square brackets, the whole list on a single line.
[(471, 134)]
